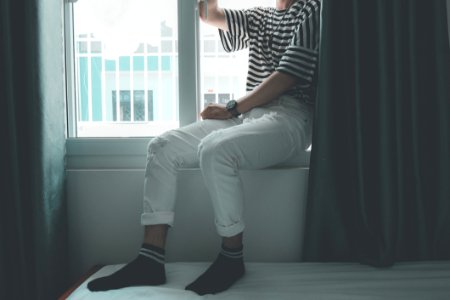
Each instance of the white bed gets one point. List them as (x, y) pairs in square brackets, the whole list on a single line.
[(346, 281)]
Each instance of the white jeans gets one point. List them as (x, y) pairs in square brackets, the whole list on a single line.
[(274, 134)]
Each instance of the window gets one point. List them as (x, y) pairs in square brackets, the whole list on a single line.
[(124, 66), (142, 105)]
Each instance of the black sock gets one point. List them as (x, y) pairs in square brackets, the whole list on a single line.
[(146, 269), (223, 273)]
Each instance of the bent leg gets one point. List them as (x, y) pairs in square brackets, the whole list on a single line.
[(276, 137), (166, 154), (264, 142)]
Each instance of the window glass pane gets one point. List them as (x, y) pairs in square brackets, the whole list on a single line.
[(139, 105), (125, 56), (96, 47), (152, 63), (209, 98), (125, 109), (83, 98), (224, 98), (166, 46), (82, 47), (223, 75), (210, 46)]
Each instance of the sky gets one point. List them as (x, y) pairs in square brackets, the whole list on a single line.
[(123, 24)]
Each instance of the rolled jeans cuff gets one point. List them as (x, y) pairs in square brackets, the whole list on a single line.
[(232, 230), (157, 218)]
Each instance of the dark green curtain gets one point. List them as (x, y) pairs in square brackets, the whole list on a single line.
[(32, 130), (380, 168)]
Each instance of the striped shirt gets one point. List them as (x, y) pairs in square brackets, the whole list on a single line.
[(278, 40)]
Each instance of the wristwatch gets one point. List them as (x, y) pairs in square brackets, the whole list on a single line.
[(232, 108)]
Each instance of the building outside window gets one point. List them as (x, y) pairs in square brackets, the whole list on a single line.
[(126, 66)]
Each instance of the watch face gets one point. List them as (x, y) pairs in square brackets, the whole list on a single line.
[(231, 104)]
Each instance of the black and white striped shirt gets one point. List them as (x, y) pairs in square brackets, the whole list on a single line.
[(284, 41)]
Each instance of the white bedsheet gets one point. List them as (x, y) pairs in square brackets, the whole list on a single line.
[(279, 281)]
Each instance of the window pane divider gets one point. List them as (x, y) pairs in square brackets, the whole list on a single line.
[(188, 61), (71, 106)]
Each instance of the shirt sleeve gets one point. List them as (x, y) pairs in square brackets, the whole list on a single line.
[(301, 56), (238, 35)]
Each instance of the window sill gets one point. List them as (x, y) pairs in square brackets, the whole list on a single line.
[(106, 153), (115, 153)]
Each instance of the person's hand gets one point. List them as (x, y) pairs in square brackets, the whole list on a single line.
[(215, 15), (211, 5), (215, 111)]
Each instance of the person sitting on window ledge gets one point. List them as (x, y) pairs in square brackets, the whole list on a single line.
[(270, 125)]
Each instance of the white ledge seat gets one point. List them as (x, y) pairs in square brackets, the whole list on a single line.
[(105, 205)]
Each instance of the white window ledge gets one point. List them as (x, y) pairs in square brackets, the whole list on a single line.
[(106, 153)]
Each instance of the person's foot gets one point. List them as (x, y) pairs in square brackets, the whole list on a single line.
[(146, 269), (222, 274)]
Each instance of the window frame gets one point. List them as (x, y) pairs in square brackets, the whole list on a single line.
[(128, 152)]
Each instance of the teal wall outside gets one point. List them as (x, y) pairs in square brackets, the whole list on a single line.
[(96, 78), (110, 65), (124, 64), (166, 63), (84, 98), (138, 63), (152, 63)]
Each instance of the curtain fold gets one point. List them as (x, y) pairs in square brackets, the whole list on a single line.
[(380, 165), (33, 259)]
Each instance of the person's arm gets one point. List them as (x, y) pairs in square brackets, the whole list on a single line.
[(216, 15), (271, 88)]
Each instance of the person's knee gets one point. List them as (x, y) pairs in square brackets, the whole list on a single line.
[(161, 149), (216, 148), (156, 145)]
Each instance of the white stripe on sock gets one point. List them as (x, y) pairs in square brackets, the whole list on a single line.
[(152, 252), (161, 261), (229, 254)]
